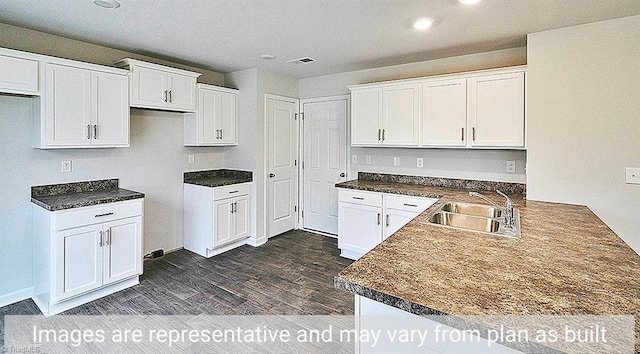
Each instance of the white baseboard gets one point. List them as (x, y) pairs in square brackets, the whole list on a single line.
[(256, 242), (15, 296)]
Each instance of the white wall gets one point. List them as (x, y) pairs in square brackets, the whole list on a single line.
[(154, 163), (583, 127), (250, 153), (452, 163)]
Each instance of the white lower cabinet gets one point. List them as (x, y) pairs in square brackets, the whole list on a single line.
[(85, 253), (367, 218), (216, 219)]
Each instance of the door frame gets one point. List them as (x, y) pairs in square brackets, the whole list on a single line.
[(265, 162), (347, 97)]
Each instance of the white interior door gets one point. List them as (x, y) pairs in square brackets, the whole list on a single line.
[(325, 162), (282, 181)]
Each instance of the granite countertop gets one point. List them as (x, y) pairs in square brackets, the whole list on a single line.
[(56, 197), (217, 178), (568, 262)]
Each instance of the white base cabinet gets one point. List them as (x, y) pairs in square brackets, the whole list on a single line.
[(85, 253), (216, 219), (367, 218)]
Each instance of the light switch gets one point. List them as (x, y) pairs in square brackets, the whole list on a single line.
[(632, 175), (396, 161)]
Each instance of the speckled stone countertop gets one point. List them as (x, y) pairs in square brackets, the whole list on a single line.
[(568, 262), (54, 197), (217, 178)]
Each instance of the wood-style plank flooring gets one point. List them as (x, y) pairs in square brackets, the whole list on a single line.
[(292, 274)]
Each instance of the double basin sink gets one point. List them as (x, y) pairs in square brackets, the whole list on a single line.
[(474, 217)]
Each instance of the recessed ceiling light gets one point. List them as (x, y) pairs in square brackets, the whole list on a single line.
[(107, 4), (422, 23), (469, 2), (267, 57)]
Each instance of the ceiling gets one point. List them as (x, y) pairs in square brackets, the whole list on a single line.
[(341, 35)]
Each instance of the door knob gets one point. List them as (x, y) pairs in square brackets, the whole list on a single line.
[(271, 175), (343, 174)]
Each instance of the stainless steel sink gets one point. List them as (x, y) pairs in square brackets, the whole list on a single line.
[(474, 217), (472, 209)]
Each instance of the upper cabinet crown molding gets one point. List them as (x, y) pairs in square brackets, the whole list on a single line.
[(161, 87), (480, 109)]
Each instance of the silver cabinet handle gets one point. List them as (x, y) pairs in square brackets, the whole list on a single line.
[(170, 97), (100, 243), (101, 215), (108, 237), (165, 95), (231, 205), (95, 131), (88, 131), (221, 134), (462, 133), (358, 198), (411, 205), (382, 135), (379, 218), (379, 132), (387, 220), (231, 192), (473, 133)]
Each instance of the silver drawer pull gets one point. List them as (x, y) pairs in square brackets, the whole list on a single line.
[(233, 192), (410, 205), (358, 198), (101, 215)]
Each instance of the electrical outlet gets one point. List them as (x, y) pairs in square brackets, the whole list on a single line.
[(396, 161), (511, 167), (367, 159), (419, 162), (633, 175), (66, 166), (354, 158), (192, 159)]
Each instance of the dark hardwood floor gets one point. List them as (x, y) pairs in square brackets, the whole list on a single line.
[(292, 274)]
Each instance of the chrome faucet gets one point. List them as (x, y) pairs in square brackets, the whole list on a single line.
[(508, 206)]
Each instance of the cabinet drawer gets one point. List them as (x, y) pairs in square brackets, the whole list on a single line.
[(407, 203), (233, 190), (362, 198), (96, 214)]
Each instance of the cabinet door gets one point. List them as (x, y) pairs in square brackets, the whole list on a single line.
[(401, 116), (122, 249), (394, 220), (182, 92), (149, 88), (110, 109), (18, 75), (359, 227), (78, 261), (208, 105), (222, 222), (228, 118), (366, 112), (444, 113), (241, 217), (496, 110), (68, 106)]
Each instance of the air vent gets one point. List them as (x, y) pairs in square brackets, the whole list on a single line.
[(302, 60)]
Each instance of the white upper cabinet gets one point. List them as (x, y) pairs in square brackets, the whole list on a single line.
[(484, 109), (83, 108), (161, 87), (385, 116), (496, 110), (366, 116), (401, 115), (444, 113), (18, 75), (216, 118)]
